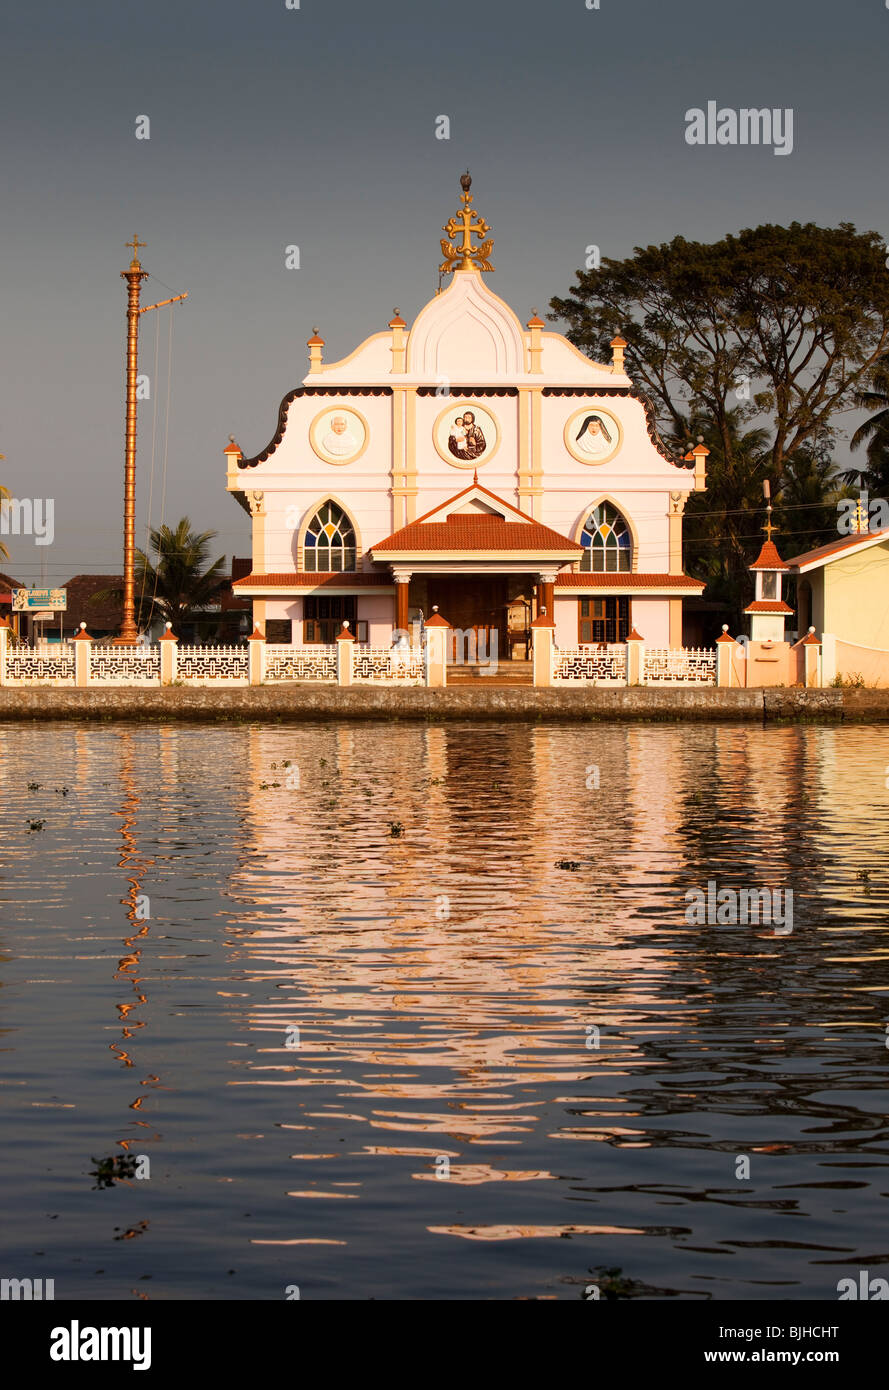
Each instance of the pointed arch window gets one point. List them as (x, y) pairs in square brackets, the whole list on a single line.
[(607, 542), (329, 541)]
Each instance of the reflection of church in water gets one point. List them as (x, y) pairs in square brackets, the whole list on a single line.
[(469, 463)]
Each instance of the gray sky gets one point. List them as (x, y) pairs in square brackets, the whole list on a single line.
[(316, 127)]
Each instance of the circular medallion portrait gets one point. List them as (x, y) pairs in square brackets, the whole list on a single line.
[(592, 435), (339, 435), (466, 434)]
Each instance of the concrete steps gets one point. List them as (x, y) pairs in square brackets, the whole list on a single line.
[(507, 673)]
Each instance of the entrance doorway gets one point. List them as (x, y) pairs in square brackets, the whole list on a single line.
[(477, 604)]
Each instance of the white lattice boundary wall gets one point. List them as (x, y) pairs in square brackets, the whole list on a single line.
[(591, 664), (124, 665), (678, 666), (212, 665), (284, 663), (48, 664), (372, 664)]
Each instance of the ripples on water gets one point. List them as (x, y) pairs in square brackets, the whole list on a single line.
[(359, 967)]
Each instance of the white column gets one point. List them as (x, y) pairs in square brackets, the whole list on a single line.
[(83, 644), (168, 645), (256, 643), (345, 656)]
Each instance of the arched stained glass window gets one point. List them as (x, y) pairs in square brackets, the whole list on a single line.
[(330, 540), (606, 540)]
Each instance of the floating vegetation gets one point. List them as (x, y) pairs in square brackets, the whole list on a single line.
[(114, 1169)]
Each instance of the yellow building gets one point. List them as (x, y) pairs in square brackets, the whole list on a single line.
[(841, 592)]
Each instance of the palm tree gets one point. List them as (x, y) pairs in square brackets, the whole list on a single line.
[(177, 582), (874, 432), (808, 494)]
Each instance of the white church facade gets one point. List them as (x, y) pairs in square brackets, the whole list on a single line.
[(467, 463)]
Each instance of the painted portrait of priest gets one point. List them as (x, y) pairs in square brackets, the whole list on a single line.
[(339, 435)]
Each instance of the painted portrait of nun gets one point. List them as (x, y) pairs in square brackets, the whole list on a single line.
[(592, 436), (593, 439)]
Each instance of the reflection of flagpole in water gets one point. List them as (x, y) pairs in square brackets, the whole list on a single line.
[(135, 902)]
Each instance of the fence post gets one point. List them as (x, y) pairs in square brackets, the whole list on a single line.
[(635, 648), (168, 645), (256, 643), (437, 638), (4, 647), (812, 655), (82, 656), (725, 646), (345, 655), (542, 635), (828, 658)]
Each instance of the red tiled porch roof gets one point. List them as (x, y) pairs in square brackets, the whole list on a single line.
[(470, 532), (305, 579), (465, 532), (612, 579)]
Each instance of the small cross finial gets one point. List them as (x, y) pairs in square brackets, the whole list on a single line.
[(475, 475), (136, 243)]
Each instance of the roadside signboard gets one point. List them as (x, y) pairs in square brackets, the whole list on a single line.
[(32, 600)]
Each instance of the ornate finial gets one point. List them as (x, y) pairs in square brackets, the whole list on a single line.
[(135, 243), (465, 256), (767, 494)]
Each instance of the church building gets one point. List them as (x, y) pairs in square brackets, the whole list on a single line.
[(467, 463)]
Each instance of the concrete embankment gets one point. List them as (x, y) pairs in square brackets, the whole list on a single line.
[(247, 704)]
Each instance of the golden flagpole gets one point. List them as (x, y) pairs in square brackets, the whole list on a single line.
[(134, 276)]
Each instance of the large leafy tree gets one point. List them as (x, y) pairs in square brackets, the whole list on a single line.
[(177, 581), (755, 344)]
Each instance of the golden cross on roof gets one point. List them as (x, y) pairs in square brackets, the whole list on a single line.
[(136, 243), (769, 528), (465, 256)]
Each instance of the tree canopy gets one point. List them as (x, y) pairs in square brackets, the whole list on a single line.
[(758, 342)]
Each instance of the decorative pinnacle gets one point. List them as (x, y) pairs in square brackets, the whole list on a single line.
[(135, 243), (465, 256)]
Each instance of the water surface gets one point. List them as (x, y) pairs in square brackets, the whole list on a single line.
[(415, 1012)]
